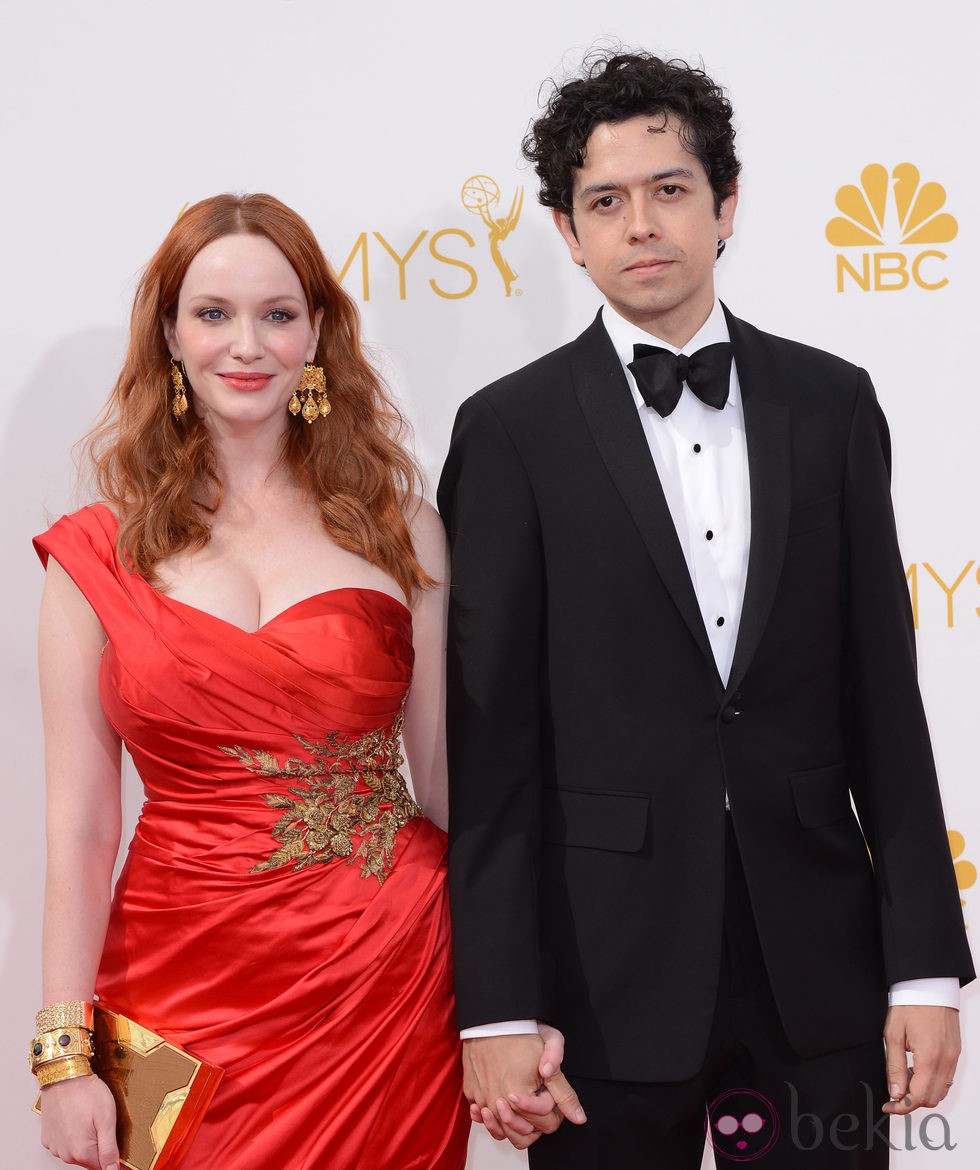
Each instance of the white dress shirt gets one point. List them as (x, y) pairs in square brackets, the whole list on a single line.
[(702, 462), (700, 456)]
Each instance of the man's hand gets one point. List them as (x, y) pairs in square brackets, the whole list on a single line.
[(494, 1066), (932, 1036), (516, 1087)]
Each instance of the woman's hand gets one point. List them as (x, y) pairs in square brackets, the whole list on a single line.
[(78, 1123)]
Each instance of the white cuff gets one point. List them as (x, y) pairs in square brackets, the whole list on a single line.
[(937, 992), (503, 1028)]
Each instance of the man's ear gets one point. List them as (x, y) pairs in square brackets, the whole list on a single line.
[(726, 215), (563, 222)]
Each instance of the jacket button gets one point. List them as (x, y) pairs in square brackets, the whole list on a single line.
[(728, 714)]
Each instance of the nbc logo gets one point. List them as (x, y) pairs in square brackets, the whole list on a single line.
[(912, 217)]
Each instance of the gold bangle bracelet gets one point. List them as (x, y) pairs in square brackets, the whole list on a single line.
[(69, 1013), (58, 1045), (68, 1069)]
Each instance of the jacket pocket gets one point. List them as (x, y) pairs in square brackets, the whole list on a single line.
[(596, 820), (821, 796), (815, 515)]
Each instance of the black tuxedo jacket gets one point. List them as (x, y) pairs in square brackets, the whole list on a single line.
[(592, 740)]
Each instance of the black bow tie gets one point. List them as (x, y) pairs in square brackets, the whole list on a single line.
[(661, 374)]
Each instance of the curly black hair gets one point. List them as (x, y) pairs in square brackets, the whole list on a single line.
[(616, 87)]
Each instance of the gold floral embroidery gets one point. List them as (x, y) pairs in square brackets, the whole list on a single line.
[(325, 817)]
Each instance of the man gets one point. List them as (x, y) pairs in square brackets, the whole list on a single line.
[(680, 648)]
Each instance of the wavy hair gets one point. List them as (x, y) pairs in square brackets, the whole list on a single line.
[(618, 86), (149, 465)]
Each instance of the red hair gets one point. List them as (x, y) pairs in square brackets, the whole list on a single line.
[(147, 463)]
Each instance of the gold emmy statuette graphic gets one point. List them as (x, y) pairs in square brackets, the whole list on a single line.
[(480, 196), (966, 871), (918, 218)]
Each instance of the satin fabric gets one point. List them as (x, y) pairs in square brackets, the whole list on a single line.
[(323, 992)]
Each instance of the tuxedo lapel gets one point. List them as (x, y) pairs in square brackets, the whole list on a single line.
[(604, 396), (767, 435)]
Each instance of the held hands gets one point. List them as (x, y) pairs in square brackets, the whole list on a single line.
[(932, 1036), (516, 1088), (78, 1123)]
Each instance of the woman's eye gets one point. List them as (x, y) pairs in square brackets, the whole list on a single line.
[(281, 315), (211, 314)]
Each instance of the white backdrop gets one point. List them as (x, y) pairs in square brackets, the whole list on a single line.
[(369, 119)]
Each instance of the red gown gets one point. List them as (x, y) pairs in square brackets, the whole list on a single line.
[(282, 912)]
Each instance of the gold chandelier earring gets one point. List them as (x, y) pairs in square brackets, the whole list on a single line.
[(178, 407), (312, 381)]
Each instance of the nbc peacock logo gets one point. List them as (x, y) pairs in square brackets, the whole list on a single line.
[(966, 871), (888, 211)]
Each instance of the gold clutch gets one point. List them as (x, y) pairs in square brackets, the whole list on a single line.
[(161, 1091)]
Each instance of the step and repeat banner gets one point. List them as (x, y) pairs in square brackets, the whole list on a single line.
[(395, 131)]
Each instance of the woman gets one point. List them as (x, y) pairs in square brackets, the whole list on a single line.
[(246, 611)]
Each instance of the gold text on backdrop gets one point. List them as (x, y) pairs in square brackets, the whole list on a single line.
[(480, 195)]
